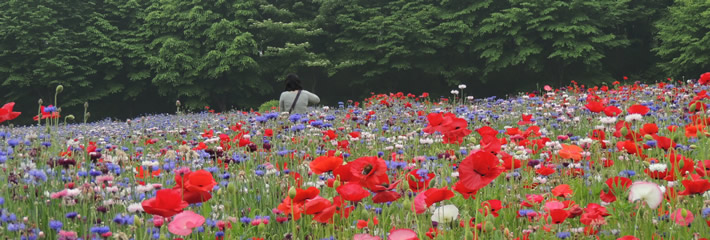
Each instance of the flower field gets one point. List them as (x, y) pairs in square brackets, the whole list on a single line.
[(624, 161)]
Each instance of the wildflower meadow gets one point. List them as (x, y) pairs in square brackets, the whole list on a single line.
[(627, 160)]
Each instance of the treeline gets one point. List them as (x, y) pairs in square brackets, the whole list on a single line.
[(127, 57)]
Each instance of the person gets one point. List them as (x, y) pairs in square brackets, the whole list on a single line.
[(291, 93)]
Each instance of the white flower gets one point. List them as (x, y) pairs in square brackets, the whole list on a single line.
[(445, 214), (73, 192), (462, 86), (135, 207), (646, 191), (608, 120), (634, 117), (469, 97), (658, 167), (454, 92)]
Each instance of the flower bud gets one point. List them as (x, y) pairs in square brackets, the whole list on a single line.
[(292, 192), (86, 104), (624, 131), (177, 103), (60, 88), (648, 137), (69, 117), (40, 101)]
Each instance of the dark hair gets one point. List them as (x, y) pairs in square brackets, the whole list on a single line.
[(293, 82)]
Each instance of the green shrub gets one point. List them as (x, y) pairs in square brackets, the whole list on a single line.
[(265, 107)]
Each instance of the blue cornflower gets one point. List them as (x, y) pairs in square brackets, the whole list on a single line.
[(563, 235), (55, 225), (245, 220), (71, 215), (259, 172), (705, 212), (627, 173)]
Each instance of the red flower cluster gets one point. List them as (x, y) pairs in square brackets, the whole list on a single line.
[(453, 128)]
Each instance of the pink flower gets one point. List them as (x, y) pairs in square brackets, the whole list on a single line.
[(64, 235), (419, 204), (184, 222), (402, 234), (59, 194), (158, 220), (363, 236), (682, 217)]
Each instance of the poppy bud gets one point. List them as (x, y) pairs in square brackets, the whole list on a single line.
[(693, 107), (60, 88), (648, 137), (40, 101), (488, 226), (261, 227), (137, 221), (231, 188), (624, 131), (292, 192), (336, 184), (683, 212), (86, 104), (177, 103), (69, 117), (693, 146)]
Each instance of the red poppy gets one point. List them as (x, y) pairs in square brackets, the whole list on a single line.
[(612, 111), (615, 184), (594, 106), (302, 195), (417, 182), (369, 171), (638, 109), (45, 114), (664, 143), (558, 215), (487, 131), (455, 129), (545, 171), (195, 186), (290, 207), (490, 143), (509, 163), (325, 164), (703, 168), (627, 237), (352, 192), (704, 79), (571, 152), (563, 190), (526, 119), (479, 169), (316, 205), (435, 195), (6, 112), (329, 135), (695, 185), (464, 191), (491, 206), (386, 196), (166, 203), (268, 132)]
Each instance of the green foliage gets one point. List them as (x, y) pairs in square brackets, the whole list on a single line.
[(684, 36), (269, 105), (229, 54)]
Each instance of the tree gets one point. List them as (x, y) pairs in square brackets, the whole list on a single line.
[(557, 39), (200, 53), (684, 36)]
